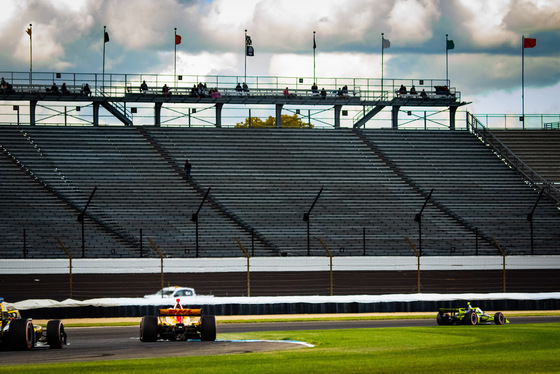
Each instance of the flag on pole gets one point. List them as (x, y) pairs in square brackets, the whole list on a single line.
[(385, 43), (529, 43), (450, 44), (177, 39), (28, 31), (106, 37), (249, 50), (314, 44)]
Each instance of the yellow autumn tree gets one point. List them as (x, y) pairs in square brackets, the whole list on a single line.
[(285, 120)]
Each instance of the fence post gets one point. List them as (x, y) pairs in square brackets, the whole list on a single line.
[(503, 265), (161, 258), (330, 260), (418, 259), (70, 265), (248, 269)]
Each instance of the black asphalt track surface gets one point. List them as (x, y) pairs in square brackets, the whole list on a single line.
[(119, 343)]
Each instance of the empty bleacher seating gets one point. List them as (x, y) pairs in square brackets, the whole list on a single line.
[(373, 181)]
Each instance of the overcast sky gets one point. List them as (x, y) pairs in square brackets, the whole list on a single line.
[(485, 64)]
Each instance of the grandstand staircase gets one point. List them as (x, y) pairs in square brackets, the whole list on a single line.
[(227, 214), (369, 115), (425, 194), (118, 110)]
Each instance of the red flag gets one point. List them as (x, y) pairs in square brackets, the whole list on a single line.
[(177, 39), (529, 43)]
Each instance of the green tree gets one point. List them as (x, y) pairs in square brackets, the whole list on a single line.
[(285, 120)]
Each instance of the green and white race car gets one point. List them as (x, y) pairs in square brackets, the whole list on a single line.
[(468, 316)]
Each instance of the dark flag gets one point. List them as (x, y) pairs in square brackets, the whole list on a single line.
[(106, 38), (249, 50), (450, 44)]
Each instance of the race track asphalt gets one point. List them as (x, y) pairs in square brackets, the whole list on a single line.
[(119, 343)]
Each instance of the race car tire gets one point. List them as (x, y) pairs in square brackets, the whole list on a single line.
[(441, 320), (55, 334), (22, 334), (470, 318), (149, 329), (499, 318), (208, 328)]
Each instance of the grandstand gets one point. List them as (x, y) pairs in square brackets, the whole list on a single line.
[(261, 183)]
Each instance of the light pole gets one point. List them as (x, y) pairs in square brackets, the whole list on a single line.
[(81, 220), (418, 218), (194, 217), (306, 219)]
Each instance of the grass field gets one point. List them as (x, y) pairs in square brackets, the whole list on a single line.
[(531, 348)]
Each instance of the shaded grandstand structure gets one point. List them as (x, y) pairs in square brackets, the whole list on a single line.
[(477, 189), (262, 182)]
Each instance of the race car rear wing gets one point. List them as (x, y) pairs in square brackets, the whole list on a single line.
[(180, 312), (450, 310)]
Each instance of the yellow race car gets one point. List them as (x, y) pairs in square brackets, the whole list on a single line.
[(178, 324), (20, 334)]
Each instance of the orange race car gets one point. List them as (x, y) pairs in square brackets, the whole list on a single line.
[(178, 324)]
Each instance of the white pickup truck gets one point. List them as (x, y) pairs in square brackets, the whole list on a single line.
[(173, 292)]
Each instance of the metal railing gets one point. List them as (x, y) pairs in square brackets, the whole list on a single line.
[(511, 159), (120, 84)]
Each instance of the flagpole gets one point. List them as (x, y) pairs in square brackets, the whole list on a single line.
[(382, 63), (523, 80), (175, 60), (245, 53), (30, 55), (103, 79), (314, 47), (446, 60)]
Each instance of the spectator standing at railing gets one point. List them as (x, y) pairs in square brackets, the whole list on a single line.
[(402, 90), (345, 90), (323, 94), (87, 90), (54, 88), (413, 90), (424, 94), (286, 92), (245, 87), (144, 87), (238, 88), (64, 89), (3, 86), (314, 88), (215, 94), (165, 90)]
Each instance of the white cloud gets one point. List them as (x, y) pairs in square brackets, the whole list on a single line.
[(411, 20)]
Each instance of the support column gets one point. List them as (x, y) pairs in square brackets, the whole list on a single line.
[(95, 113), (157, 114), (279, 115), (32, 107), (395, 116), (337, 109), (219, 107), (452, 111)]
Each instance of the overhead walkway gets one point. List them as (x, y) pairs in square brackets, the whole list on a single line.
[(117, 97)]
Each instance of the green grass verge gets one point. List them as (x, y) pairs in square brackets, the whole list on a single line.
[(530, 348), (319, 319)]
